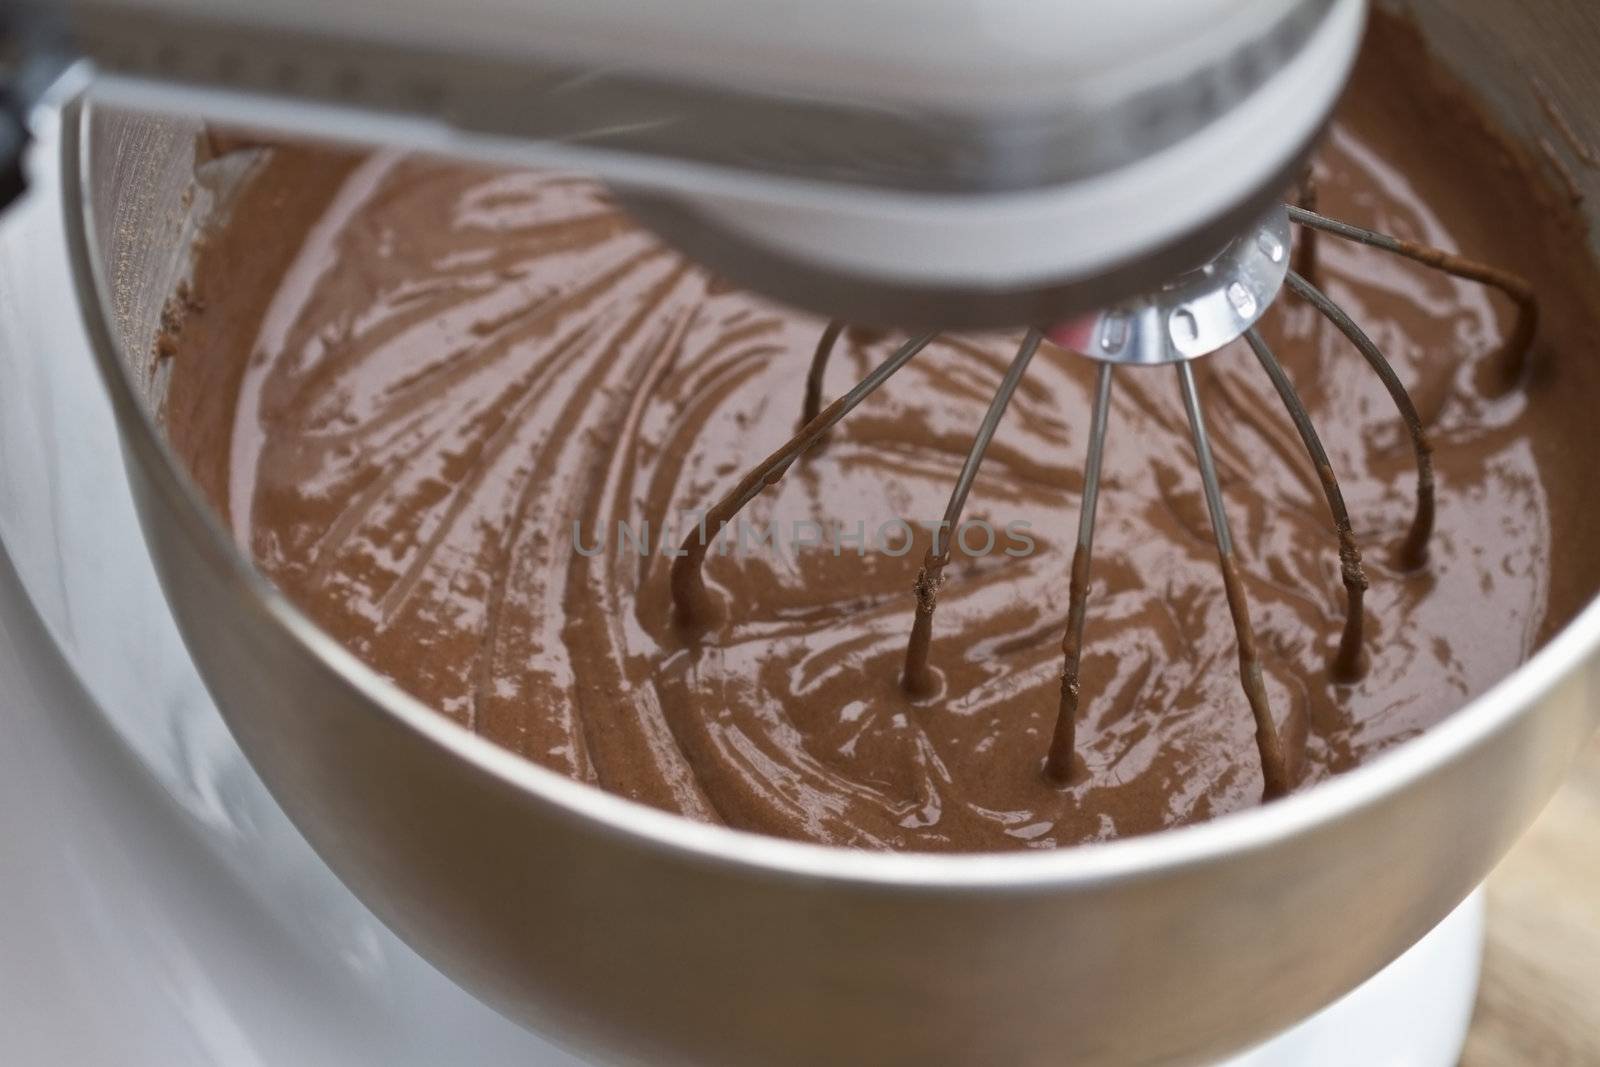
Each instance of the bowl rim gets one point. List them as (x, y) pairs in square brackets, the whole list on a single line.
[(1093, 865)]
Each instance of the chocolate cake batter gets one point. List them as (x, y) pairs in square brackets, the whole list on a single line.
[(425, 394)]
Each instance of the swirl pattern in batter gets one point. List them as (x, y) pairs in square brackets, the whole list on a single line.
[(460, 416)]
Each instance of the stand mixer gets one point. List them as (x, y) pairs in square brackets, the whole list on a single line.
[(928, 196)]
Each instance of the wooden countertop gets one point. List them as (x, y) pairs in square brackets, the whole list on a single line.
[(1540, 1001)]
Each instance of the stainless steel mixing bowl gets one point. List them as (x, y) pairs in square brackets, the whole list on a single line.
[(639, 936)]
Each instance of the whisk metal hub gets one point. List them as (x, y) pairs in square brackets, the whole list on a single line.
[(1196, 313)]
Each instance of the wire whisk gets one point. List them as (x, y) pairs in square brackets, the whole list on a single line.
[(697, 608)]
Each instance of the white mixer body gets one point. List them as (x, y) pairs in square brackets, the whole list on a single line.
[(952, 163)]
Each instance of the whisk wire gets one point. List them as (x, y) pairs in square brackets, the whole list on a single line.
[(1307, 195), (917, 678), (1518, 289), (690, 598), (1347, 665), (1064, 741), (1413, 552), (819, 371), (1274, 761)]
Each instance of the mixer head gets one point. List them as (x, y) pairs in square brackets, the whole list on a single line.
[(916, 163)]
